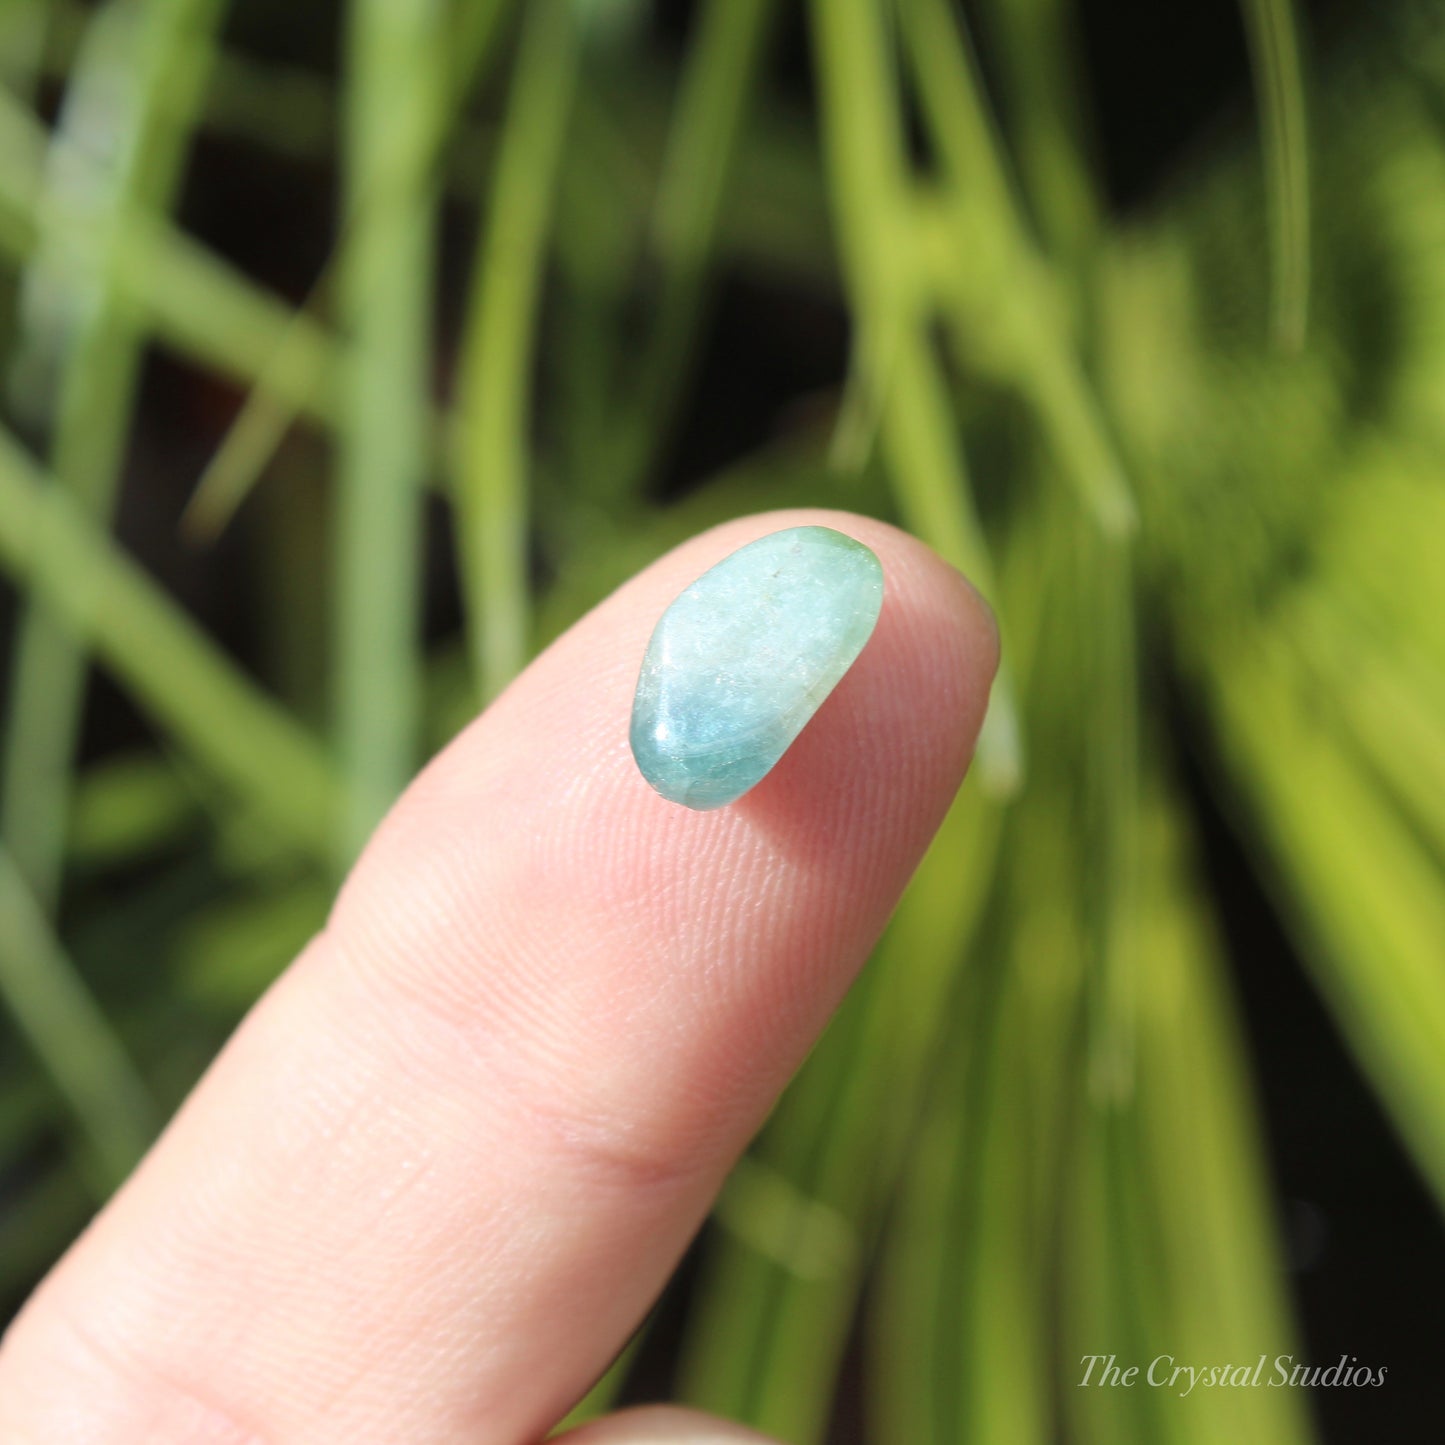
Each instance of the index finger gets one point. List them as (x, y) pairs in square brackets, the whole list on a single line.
[(446, 1164)]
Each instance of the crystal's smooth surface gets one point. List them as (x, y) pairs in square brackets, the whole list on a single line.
[(745, 656)]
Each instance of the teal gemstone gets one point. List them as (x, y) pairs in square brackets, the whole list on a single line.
[(745, 656)]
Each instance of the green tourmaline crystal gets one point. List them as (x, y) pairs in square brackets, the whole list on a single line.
[(745, 656)]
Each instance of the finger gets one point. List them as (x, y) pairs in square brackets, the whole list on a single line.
[(660, 1425), (446, 1164)]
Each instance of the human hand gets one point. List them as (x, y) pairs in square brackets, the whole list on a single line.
[(442, 1169)]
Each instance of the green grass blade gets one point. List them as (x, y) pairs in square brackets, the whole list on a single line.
[(1228, 1296), (23, 25), (1175, 1253), (916, 1330), (723, 65), (1275, 52), (735, 1359), (197, 304), (296, 372), (994, 282), (1390, 696), (175, 671), (491, 465), (721, 73), (921, 448), (140, 75), (783, 1277), (1111, 769), (862, 1148), (394, 53), (126, 808), (1036, 47), (288, 109), (984, 1318), (965, 1313), (476, 28), (1361, 892), (293, 375), (70, 1034), (919, 441)]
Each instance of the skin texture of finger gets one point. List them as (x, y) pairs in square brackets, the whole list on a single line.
[(661, 1425), (445, 1165)]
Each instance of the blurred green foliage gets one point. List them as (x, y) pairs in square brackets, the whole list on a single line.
[(1203, 443)]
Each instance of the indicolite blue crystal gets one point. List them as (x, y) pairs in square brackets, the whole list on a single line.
[(745, 656)]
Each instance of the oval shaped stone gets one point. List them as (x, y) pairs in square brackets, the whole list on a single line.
[(744, 657)]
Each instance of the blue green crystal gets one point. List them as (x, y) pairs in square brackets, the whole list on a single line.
[(745, 656)]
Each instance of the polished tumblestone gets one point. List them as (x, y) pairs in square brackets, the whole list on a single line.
[(745, 656)]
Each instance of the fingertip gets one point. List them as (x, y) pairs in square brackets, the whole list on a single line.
[(493, 1100)]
